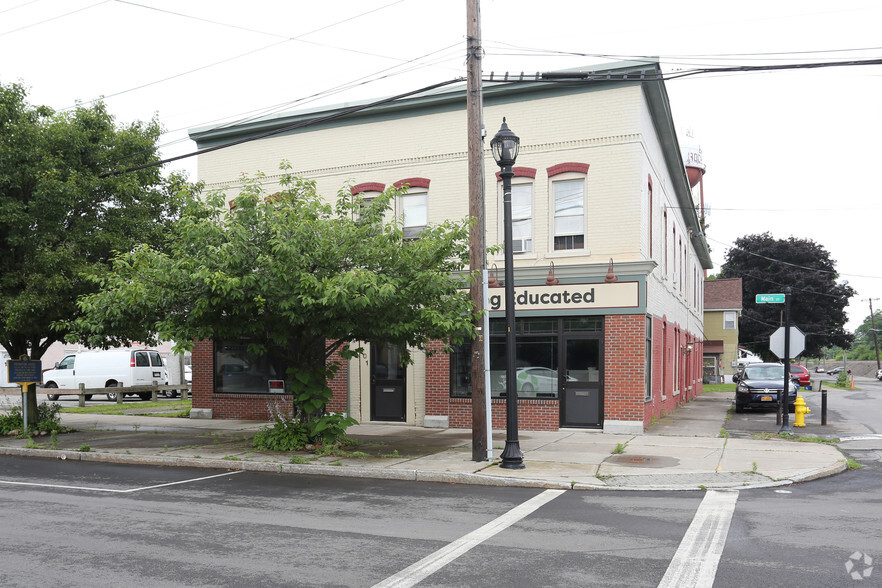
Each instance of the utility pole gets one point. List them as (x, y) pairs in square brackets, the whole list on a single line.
[(875, 336), (477, 248)]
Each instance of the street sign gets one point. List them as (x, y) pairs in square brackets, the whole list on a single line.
[(797, 342), (24, 371), (770, 298)]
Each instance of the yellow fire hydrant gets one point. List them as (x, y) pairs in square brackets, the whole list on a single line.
[(800, 410)]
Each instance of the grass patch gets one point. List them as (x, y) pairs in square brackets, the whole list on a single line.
[(719, 388), (393, 455), (334, 450), (620, 448), (809, 439), (724, 434), (178, 405), (851, 464)]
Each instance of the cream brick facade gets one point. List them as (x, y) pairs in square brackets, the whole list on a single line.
[(623, 132)]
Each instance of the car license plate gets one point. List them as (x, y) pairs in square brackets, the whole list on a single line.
[(766, 398)]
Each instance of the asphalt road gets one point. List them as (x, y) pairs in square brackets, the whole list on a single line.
[(87, 524)]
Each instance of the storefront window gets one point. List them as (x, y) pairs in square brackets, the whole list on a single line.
[(237, 371), (537, 356)]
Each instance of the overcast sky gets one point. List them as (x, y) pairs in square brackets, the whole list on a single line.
[(788, 152)]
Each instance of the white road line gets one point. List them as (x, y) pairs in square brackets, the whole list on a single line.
[(116, 491), (696, 560), (434, 562), (868, 436)]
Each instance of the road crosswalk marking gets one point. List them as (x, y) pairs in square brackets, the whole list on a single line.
[(432, 563), (695, 563)]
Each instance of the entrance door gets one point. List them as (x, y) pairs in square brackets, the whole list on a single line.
[(388, 384), (581, 383)]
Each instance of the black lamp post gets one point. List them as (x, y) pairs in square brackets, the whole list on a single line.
[(505, 151)]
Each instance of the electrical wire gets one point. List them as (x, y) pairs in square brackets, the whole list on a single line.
[(11, 8), (286, 128), (285, 39), (53, 18), (797, 266)]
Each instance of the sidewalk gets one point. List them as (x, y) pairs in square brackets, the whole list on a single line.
[(679, 452)]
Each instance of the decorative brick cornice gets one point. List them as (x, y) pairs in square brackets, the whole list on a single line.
[(570, 166), (520, 172), (413, 182), (367, 187)]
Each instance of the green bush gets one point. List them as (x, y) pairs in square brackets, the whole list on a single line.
[(288, 434), (47, 419)]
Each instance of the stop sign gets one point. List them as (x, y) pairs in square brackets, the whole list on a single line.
[(797, 342)]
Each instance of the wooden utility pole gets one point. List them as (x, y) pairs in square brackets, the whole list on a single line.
[(477, 249)]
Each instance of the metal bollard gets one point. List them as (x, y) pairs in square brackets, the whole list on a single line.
[(823, 407), (82, 400), (154, 393)]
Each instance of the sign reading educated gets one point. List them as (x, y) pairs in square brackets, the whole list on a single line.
[(24, 371), (770, 298), (570, 296)]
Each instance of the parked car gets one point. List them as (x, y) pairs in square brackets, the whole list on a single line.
[(879, 374), (110, 368), (805, 378), (837, 370), (760, 385), (819, 369)]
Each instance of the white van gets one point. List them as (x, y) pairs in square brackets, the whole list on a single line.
[(107, 369)]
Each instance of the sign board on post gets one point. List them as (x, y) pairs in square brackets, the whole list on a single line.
[(797, 342), (24, 371), (770, 298)]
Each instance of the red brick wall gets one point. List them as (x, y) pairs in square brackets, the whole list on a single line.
[(663, 350), (438, 382), (533, 414), (249, 406), (624, 367)]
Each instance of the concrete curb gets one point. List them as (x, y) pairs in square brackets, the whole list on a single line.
[(386, 474)]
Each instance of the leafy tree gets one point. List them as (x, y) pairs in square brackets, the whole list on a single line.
[(291, 274), (818, 302), (63, 212), (864, 345)]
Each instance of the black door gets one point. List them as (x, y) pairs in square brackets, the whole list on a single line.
[(388, 389), (581, 383)]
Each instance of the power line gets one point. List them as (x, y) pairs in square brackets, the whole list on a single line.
[(285, 39), (286, 128), (51, 19), (11, 8), (797, 266)]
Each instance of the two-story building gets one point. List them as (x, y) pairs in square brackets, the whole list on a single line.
[(608, 250), (722, 309)]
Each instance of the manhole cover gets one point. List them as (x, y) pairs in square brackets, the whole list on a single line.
[(644, 461)]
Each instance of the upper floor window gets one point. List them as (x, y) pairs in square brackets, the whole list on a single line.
[(414, 210), (414, 206), (730, 320), (568, 197), (569, 214), (367, 192), (522, 218)]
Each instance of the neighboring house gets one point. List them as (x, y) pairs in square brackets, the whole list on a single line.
[(722, 309), (600, 191)]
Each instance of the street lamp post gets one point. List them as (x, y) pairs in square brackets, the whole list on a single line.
[(505, 151)]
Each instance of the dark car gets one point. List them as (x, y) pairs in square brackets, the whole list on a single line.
[(836, 370), (760, 385), (805, 378)]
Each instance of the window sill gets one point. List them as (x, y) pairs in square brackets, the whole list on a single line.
[(568, 252)]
